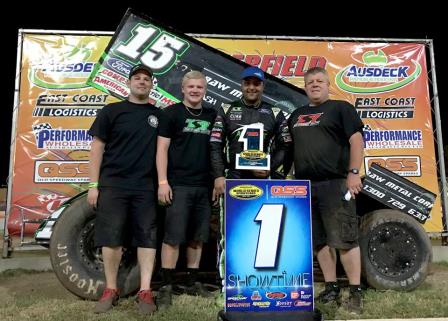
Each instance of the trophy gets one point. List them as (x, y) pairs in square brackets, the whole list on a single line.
[(252, 157)]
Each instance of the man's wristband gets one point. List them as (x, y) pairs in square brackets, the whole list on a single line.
[(164, 182), (93, 184)]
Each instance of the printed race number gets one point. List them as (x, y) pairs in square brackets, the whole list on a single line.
[(270, 216), (156, 49)]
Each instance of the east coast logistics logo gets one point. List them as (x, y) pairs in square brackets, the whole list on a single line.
[(376, 75)]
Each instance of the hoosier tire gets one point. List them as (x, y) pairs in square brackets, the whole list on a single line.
[(395, 250), (77, 263)]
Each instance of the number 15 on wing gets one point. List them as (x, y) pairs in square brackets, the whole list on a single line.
[(252, 156)]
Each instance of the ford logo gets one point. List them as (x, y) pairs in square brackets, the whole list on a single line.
[(119, 65)]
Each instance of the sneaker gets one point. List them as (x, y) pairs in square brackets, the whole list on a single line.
[(107, 301), (145, 302), (331, 294), (355, 304), (164, 297), (198, 289)]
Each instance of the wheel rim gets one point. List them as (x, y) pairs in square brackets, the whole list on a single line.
[(393, 250), (91, 256)]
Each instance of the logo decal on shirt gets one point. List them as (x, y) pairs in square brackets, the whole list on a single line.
[(153, 121), (308, 120), (196, 126)]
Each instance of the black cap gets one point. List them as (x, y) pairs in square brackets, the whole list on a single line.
[(139, 67)]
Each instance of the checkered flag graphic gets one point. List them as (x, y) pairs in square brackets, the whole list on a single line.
[(366, 127), (38, 127)]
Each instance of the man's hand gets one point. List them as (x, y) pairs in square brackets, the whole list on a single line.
[(92, 196), (165, 194), (258, 173), (219, 188), (354, 184)]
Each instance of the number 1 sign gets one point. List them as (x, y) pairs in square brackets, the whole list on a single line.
[(252, 156), (269, 263)]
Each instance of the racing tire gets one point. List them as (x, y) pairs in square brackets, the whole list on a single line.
[(77, 263), (395, 250)]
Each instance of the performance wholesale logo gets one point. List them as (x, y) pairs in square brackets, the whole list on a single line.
[(58, 138), (393, 139), (377, 74), (407, 166), (49, 171)]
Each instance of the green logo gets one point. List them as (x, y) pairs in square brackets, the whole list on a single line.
[(376, 70), (197, 126)]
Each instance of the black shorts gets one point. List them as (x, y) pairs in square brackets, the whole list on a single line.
[(124, 215), (335, 222), (188, 216)]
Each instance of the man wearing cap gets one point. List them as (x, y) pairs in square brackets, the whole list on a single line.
[(228, 129), (122, 187)]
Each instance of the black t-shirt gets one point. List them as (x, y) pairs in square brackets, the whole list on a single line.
[(189, 151), (321, 136), (130, 133)]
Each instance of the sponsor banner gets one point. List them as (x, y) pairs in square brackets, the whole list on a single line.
[(397, 192), (387, 83), (56, 108), (403, 165), (272, 219)]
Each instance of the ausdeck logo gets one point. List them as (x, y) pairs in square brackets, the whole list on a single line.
[(376, 70), (70, 62)]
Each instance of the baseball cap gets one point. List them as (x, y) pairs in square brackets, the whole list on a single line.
[(140, 67), (253, 72)]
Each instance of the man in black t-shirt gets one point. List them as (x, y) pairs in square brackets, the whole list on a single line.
[(121, 188), (183, 168), (328, 150)]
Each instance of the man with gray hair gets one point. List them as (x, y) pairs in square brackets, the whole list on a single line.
[(328, 150), (183, 168)]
